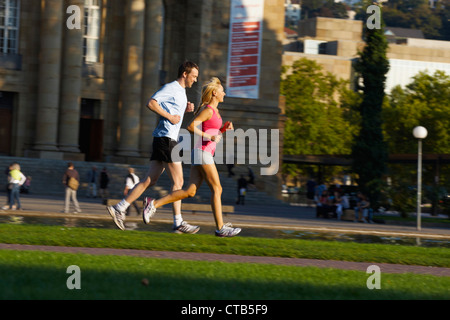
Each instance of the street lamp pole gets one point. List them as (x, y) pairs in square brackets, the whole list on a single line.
[(419, 133), (419, 185)]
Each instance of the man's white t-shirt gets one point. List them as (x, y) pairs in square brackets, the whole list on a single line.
[(172, 98)]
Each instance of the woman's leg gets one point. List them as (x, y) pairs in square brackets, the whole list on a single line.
[(211, 177), (195, 180)]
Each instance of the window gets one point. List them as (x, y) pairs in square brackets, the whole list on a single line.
[(91, 37), (9, 26)]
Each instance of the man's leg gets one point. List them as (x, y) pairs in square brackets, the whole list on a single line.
[(67, 200), (154, 172), (175, 172), (117, 212)]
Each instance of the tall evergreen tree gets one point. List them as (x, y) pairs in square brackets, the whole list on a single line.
[(369, 151)]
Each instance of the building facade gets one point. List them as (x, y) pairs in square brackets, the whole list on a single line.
[(334, 44), (75, 75)]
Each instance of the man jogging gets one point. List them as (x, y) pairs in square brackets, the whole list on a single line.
[(170, 103)]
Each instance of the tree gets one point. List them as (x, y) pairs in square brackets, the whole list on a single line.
[(426, 102), (414, 14), (324, 8), (317, 107), (369, 151)]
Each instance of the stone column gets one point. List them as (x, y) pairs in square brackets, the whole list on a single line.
[(132, 79), (152, 66), (69, 113), (49, 75)]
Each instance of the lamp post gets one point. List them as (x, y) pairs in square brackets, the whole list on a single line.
[(419, 133)]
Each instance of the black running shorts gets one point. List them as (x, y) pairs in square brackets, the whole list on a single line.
[(162, 149)]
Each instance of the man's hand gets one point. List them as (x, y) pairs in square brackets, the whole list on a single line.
[(190, 107), (174, 119)]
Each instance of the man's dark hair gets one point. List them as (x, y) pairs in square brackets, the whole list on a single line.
[(187, 67)]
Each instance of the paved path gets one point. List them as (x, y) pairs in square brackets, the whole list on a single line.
[(288, 218)]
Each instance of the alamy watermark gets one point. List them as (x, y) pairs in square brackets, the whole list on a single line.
[(374, 280), (74, 281), (263, 149), (74, 21), (374, 21)]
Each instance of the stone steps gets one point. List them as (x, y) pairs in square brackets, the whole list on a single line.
[(47, 180)]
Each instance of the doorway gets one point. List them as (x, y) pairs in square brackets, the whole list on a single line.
[(6, 119), (91, 130)]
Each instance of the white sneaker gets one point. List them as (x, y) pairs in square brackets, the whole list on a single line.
[(117, 216), (186, 228), (228, 231), (149, 210)]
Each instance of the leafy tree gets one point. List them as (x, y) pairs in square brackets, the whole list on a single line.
[(414, 14), (317, 111), (324, 8), (426, 102), (369, 151)]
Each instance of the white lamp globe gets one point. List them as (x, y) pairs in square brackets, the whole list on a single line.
[(420, 132)]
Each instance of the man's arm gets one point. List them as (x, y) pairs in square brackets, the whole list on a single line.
[(154, 106)]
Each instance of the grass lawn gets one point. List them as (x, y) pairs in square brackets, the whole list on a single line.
[(160, 241), (42, 275)]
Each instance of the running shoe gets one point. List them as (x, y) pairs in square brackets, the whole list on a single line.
[(186, 228), (117, 216), (149, 210), (228, 231)]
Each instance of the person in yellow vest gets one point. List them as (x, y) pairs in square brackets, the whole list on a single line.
[(15, 179)]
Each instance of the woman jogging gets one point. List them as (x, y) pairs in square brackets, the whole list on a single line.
[(207, 124)]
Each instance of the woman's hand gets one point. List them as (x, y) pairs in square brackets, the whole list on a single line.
[(216, 138)]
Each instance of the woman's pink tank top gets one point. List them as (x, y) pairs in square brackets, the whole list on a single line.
[(211, 127)]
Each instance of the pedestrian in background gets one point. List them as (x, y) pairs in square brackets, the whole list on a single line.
[(242, 190), (92, 179), (8, 190), (71, 181), (104, 181), (16, 180), (130, 182)]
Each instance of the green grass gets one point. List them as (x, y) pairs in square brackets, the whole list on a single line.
[(159, 241), (42, 275)]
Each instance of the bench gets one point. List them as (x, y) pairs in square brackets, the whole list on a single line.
[(348, 215), (193, 207)]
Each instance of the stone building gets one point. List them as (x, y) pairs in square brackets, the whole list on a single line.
[(334, 44), (75, 88)]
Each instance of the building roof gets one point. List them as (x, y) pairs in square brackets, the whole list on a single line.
[(290, 33), (404, 33)]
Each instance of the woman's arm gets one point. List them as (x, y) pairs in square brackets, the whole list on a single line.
[(203, 116)]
